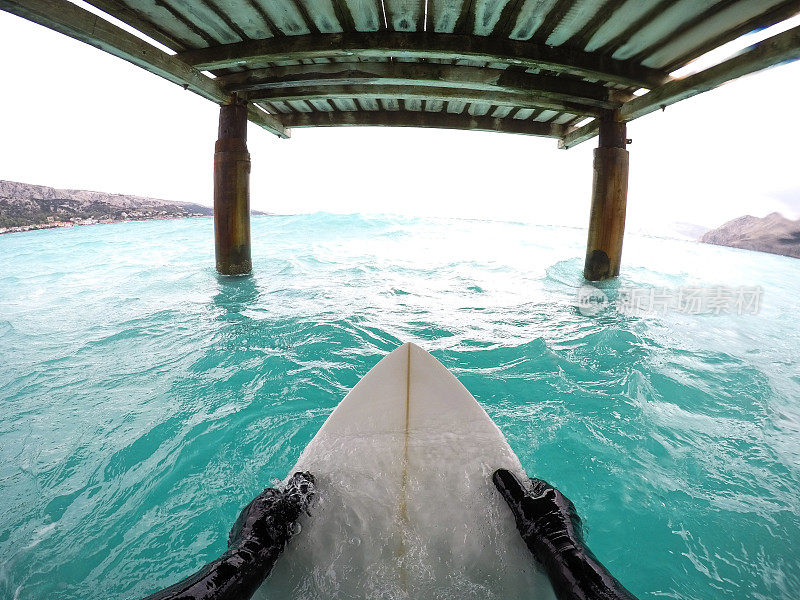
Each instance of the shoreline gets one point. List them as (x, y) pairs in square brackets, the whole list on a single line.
[(84, 222)]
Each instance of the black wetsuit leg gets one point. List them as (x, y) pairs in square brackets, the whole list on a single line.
[(551, 528), (256, 539)]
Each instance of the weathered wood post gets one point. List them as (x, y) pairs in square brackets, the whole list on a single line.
[(609, 200), (232, 191)]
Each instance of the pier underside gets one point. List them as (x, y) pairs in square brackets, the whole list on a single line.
[(566, 69)]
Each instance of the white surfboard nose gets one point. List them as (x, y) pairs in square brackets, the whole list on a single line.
[(406, 503), (408, 388)]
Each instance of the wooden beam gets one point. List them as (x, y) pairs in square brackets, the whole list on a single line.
[(445, 46), (777, 49), (779, 13), (419, 92), (578, 135), (82, 25), (557, 12), (580, 38), (343, 15), (645, 18), (417, 74), (699, 19), (267, 121), (780, 48), (128, 15), (406, 118)]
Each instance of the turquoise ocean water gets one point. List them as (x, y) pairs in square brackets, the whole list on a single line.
[(145, 400)]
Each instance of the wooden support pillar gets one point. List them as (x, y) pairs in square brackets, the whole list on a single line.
[(232, 191), (609, 200)]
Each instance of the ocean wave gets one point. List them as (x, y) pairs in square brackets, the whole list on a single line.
[(146, 400)]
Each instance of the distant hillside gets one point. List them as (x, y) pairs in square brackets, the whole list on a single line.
[(24, 206), (774, 233), (673, 230)]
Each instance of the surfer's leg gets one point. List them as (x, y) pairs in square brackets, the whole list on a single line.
[(551, 528), (254, 544)]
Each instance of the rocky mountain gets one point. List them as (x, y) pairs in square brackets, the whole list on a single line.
[(774, 233), (25, 206)]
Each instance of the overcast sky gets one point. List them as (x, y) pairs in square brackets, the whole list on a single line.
[(74, 117)]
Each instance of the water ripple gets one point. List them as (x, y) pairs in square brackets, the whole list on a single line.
[(145, 399)]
